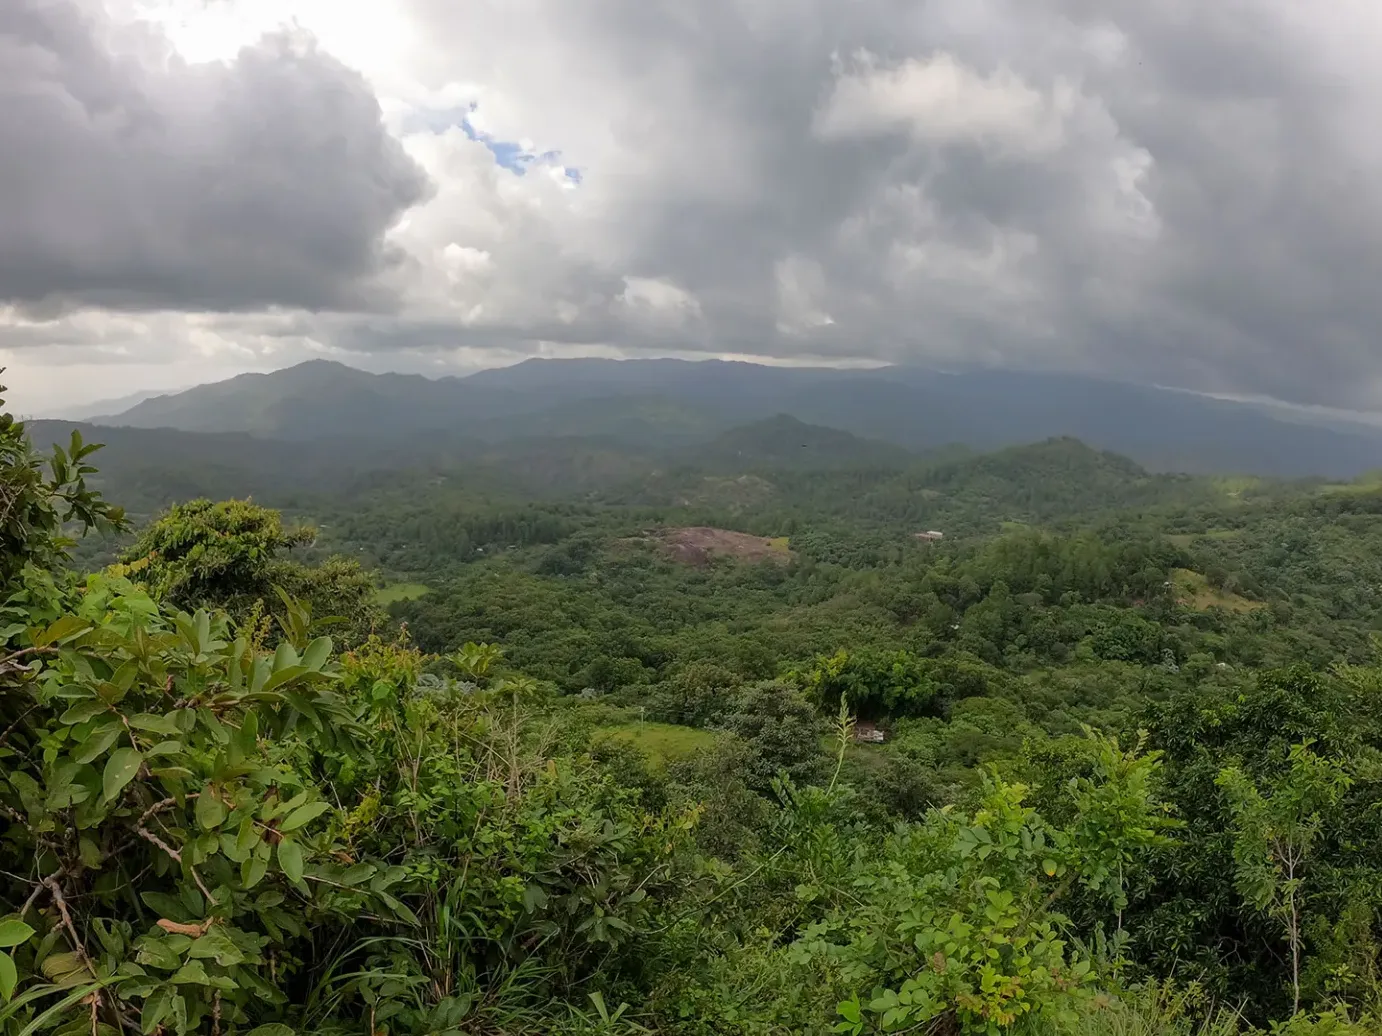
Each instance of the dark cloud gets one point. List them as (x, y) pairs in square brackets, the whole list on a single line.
[(131, 179), (1182, 191), (1178, 191)]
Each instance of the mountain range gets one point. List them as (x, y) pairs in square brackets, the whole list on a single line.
[(670, 405)]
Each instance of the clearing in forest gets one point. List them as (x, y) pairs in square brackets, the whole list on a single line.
[(388, 595), (662, 743), (1193, 591), (697, 545)]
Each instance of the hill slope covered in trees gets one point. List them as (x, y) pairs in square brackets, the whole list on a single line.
[(449, 748)]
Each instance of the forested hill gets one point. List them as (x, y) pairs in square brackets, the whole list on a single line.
[(673, 403), (696, 723)]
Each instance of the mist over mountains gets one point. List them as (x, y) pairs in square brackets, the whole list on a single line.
[(670, 405)]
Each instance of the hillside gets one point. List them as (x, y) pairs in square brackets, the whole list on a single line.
[(783, 442), (669, 403), (630, 657)]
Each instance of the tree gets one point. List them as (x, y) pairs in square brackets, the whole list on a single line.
[(784, 731), (1275, 837), (36, 505), (228, 555)]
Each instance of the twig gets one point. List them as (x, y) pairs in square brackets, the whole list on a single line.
[(149, 836), (44, 649), (38, 891), (11, 728), (60, 901)]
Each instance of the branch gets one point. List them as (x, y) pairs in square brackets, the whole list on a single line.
[(59, 900), (149, 836), (13, 726), (7, 664)]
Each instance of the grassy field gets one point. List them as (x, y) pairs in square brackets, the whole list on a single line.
[(662, 743), (388, 595), (1193, 590)]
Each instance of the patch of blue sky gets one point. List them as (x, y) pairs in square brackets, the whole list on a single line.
[(508, 154)]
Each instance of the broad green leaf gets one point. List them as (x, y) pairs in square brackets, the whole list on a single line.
[(65, 968), (290, 859), (83, 711), (9, 976), (358, 873), (98, 743), (304, 814), (193, 973), (210, 811), (166, 725), (216, 945), (285, 656), (62, 628), (14, 932), (247, 737), (89, 852), (156, 952), (317, 653), (252, 871), (248, 835), (272, 1029), (120, 770), (156, 1008), (179, 1005)]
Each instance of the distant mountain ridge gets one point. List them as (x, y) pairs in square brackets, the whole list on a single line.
[(676, 404)]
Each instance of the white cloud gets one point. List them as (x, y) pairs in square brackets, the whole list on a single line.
[(940, 100)]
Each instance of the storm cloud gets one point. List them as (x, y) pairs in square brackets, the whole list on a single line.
[(134, 180), (1177, 192)]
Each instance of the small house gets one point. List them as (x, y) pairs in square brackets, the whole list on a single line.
[(930, 536)]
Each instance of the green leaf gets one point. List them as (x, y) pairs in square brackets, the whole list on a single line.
[(61, 628), (166, 725), (272, 1029), (211, 811), (285, 657), (304, 814), (247, 837), (14, 932), (156, 1008), (193, 972), (83, 711), (120, 770), (217, 945), (290, 859), (98, 743), (252, 871), (9, 976), (317, 653), (247, 736), (358, 873), (157, 953)]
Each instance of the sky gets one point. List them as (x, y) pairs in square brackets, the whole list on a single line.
[(1180, 192)]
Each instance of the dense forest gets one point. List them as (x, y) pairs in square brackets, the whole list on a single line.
[(780, 730)]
